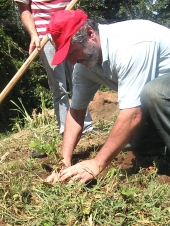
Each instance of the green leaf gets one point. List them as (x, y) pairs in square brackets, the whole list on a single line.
[(34, 144)]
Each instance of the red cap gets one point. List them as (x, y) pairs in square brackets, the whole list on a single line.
[(63, 25)]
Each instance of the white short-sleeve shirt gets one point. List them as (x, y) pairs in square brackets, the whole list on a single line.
[(134, 52)]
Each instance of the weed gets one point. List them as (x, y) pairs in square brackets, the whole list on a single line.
[(103, 125), (34, 121), (105, 89), (45, 148)]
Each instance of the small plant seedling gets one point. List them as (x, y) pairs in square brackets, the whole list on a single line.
[(42, 149)]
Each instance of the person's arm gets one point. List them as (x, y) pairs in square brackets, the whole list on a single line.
[(121, 133), (28, 21), (72, 133)]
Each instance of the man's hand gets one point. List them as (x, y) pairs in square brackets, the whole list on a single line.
[(54, 177), (83, 171), (35, 43)]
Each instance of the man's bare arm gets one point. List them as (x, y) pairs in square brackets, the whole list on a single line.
[(72, 133), (28, 21), (120, 135)]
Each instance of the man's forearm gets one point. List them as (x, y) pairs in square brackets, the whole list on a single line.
[(72, 133), (120, 135), (29, 24), (27, 18)]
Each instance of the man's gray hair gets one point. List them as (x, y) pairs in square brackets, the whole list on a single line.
[(81, 35)]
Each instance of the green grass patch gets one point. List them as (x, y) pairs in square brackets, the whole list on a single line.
[(116, 198)]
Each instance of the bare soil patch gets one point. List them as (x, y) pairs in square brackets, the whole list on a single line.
[(104, 106)]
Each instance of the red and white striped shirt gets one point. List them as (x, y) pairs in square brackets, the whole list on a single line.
[(42, 12)]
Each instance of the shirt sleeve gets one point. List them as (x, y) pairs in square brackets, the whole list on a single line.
[(84, 89), (137, 66)]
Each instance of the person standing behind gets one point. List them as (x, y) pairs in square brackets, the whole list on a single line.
[(36, 15)]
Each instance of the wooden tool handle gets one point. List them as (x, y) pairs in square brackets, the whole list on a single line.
[(26, 64)]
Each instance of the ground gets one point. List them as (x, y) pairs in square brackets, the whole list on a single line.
[(103, 108)]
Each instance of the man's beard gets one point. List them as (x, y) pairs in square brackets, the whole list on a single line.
[(91, 54)]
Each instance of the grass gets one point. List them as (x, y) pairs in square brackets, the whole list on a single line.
[(116, 198)]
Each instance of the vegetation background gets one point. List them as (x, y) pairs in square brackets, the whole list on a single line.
[(14, 42)]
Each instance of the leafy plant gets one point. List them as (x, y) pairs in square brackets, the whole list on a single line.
[(43, 148)]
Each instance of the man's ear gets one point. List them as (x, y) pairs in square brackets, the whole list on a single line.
[(90, 32)]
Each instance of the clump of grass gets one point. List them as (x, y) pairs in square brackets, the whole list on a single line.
[(35, 120), (106, 89), (103, 125)]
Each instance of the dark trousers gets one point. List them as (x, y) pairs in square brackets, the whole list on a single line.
[(155, 102)]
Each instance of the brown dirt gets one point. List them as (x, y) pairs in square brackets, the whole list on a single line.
[(104, 106)]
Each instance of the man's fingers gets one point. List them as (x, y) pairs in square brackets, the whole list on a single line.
[(38, 47), (52, 177), (35, 43), (75, 173), (73, 179), (65, 175)]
